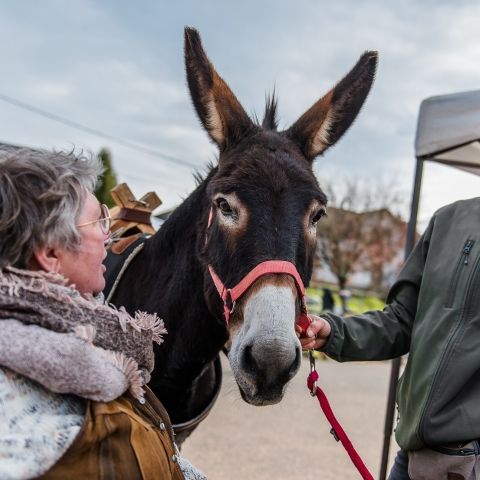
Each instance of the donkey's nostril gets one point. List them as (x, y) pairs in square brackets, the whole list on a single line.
[(296, 362), (249, 363)]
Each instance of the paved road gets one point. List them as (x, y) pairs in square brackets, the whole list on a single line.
[(291, 440)]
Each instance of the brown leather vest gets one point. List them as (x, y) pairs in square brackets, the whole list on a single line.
[(123, 440)]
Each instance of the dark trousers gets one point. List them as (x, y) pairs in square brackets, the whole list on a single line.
[(400, 467)]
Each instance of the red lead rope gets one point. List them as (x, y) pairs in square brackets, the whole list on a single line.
[(230, 297), (337, 430)]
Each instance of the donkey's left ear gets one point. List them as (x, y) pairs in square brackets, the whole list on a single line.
[(329, 118)]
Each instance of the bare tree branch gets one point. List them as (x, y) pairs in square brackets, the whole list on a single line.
[(360, 232)]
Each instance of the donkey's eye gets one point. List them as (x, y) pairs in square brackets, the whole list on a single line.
[(318, 215), (224, 206)]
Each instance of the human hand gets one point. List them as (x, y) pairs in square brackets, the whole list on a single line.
[(316, 335)]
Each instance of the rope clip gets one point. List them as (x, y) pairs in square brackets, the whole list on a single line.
[(313, 390), (229, 302)]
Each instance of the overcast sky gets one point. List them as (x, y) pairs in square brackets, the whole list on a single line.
[(117, 67)]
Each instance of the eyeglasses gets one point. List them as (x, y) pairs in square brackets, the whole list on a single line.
[(105, 220)]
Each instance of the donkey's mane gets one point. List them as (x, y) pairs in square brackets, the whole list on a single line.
[(201, 175), (270, 121)]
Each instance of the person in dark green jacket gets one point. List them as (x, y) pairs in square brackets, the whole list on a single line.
[(432, 313)]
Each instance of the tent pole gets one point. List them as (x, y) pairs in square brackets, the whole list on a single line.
[(395, 368), (412, 223)]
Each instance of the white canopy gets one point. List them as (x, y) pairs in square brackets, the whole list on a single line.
[(448, 130)]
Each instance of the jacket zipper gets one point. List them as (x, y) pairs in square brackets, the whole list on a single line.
[(467, 248), (475, 277)]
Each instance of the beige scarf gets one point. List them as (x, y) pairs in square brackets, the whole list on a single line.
[(72, 344)]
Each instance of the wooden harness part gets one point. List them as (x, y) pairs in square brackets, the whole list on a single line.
[(131, 226), (131, 216)]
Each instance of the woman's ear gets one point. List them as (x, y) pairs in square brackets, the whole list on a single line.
[(46, 259)]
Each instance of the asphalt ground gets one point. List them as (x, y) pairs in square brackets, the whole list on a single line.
[(291, 440)]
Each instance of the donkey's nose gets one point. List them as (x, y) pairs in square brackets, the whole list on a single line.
[(270, 362)]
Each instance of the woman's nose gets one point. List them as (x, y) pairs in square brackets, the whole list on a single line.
[(108, 239)]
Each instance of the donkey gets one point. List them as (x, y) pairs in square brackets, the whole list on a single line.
[(261, 202)]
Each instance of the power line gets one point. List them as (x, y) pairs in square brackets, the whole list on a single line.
[(93, 131), (146, 179)]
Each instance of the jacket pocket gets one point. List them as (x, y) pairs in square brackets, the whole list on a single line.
[(444, 462), (459, 269)]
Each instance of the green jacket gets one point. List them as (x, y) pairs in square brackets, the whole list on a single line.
[(432, 312)]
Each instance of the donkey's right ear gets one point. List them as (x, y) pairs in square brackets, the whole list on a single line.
[(329, 118), (220, 112)]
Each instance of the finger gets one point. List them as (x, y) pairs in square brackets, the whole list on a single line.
[(324, 330), (308, 344), (319, 328), (314, 325), (313, 329), (306, 341)]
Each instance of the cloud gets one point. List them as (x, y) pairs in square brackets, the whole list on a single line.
[(118, 68)]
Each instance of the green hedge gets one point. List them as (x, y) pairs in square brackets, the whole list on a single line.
[(356, 304)]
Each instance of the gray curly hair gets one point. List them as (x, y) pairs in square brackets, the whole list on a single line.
[(41, 197)]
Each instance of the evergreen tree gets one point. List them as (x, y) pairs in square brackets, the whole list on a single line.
[(107, 181)]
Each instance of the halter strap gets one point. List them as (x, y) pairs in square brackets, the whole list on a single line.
[(231, 295)]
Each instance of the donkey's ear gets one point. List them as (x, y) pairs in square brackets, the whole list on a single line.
[(329, 118), (219, 110)]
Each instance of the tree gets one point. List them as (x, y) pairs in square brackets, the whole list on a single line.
[(384, 247), (359, 232), (337, 243), (108, 179)]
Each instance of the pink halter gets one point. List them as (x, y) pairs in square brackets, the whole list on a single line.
[(231, 295)]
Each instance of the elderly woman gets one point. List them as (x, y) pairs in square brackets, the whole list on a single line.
[(73, 400)]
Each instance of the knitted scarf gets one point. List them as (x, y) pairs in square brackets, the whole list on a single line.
[(73, 344)]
